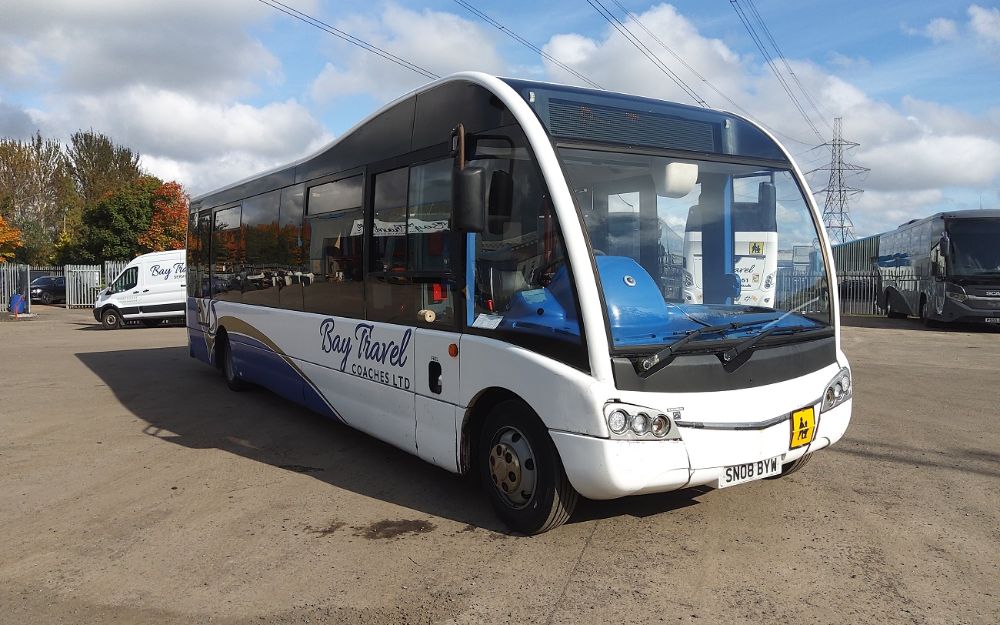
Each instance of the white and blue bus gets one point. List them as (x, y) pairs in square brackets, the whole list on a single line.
[(477, 275)]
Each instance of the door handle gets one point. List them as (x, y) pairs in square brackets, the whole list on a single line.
[(434, 376), (145, 290)]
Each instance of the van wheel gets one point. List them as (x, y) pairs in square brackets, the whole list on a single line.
[(233, 380), (110, 319), (521, 471)]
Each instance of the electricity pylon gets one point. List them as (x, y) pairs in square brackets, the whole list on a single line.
[(836, 208)]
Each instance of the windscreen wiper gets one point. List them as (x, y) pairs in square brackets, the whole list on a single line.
[(737, 355), (651, 364)]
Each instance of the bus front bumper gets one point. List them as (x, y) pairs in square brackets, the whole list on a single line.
[(601, 468)]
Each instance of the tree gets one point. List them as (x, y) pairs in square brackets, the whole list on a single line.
[(168, 224), (99, 167), (35, 193), (112, 227), (10, 240)]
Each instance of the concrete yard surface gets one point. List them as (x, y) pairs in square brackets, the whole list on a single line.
[(136, 489)]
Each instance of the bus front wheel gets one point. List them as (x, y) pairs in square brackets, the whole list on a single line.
[(890, 310), (521, 471)]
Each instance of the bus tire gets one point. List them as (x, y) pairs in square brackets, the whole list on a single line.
[(233, 380), (521, 472), (890, 312), (110, 319)]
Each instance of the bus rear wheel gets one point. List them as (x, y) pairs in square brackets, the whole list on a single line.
[(521, 471), (233, 380)]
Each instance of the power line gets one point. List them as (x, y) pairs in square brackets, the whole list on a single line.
[(698, 75), (510, 33), (788, 67), (745, 20), (361, 43), (610, 18)]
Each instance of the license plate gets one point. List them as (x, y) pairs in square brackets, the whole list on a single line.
[(803, 424), (993, 320), (749, 471)]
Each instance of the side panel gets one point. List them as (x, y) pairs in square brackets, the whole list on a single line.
[(565, 398), (360, 371), (436, 382)]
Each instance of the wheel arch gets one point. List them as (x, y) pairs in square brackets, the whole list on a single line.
[(472, 422)]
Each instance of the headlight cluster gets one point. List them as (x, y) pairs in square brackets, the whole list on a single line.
[(839, 390), (688, 279), (634, 422), (955, 292)]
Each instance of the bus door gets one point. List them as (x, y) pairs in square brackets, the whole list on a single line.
[(412, 286)]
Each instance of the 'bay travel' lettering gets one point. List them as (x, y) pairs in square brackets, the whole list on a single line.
[(369, 349)]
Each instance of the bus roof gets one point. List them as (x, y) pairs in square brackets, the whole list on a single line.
[(566, 112), (974, 213)]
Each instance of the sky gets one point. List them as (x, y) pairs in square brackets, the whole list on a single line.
[(213, 91)]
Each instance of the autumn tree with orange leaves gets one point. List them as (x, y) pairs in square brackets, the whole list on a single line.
[(10, 240), (168, 224)]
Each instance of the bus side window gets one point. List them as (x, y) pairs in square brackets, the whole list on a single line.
[(335, 224), (520, 263), (260, 273), (227, 254)]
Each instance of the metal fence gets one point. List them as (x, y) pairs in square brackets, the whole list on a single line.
[(858, 293), (83, 283), (13, 279), (112, 268)]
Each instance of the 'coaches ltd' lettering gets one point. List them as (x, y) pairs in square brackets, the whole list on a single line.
[(334, 342)]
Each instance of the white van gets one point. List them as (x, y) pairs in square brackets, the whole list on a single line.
[(150, 289)]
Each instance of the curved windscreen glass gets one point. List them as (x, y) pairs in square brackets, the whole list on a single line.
[(682, 245)]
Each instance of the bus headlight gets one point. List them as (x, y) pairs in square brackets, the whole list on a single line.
[(618, 421), (688, 279), (626, 421), (839, 390), (955, 292)]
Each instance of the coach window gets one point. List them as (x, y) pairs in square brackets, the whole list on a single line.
[(261, 272), (335, 222), (521, 270), (293, 248), (411, 281), (227, 254)]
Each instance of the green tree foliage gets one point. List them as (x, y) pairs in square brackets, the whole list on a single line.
[(112, 226), (98, 166), (36, 192)]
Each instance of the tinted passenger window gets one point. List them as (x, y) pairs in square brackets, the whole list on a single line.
[(335, 226), (293, 248), (227, 254), (263, 268)]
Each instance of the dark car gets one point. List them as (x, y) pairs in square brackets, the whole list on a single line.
[(48, 289)]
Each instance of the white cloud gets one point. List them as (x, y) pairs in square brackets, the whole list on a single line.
[(90, 47), (15, 122), (985, 23), (210, 142), (847, 62), (441, 43), (938, 30)]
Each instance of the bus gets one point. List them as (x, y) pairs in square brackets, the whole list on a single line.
[(942, 268), (455, 276)]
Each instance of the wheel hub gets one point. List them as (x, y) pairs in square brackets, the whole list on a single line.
[(512, 467)]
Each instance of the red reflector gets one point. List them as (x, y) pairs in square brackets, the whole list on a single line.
[(437, 293), (489, 305)]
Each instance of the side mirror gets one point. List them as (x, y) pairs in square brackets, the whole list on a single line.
[(468, 199), (943, 244)]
